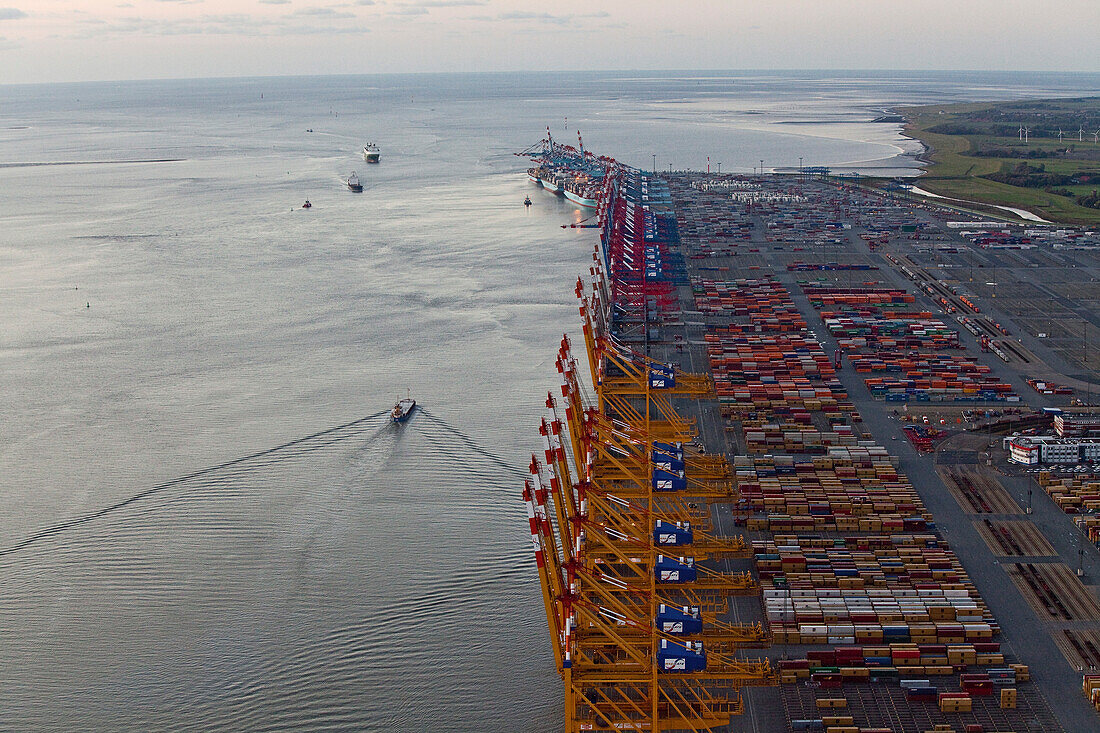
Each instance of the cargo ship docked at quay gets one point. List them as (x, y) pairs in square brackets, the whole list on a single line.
[(655, 598), (569, 171)]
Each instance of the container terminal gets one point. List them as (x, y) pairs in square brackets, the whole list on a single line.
[(774, 490)]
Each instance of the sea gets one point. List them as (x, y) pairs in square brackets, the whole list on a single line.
[(208, 521)]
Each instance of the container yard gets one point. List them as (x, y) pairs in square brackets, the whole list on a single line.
[(764, 499)]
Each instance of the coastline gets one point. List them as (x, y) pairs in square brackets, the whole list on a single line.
[(969, 159), (925, 158)]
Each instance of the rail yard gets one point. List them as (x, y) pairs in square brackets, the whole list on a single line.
[(772, 492)]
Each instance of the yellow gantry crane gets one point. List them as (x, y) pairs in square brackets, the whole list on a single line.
[(636, 595)]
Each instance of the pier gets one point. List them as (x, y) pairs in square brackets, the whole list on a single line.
[(771, 494)]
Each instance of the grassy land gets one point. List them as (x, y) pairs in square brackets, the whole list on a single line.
[(955, 133)]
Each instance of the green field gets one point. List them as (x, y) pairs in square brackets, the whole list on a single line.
[(967, 142)]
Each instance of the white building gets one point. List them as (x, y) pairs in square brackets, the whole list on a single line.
[(1074, 425), (1032, 450)]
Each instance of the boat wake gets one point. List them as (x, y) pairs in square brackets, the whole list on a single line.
[(470, 443), (292, 449), (35, 164), (252, 593)]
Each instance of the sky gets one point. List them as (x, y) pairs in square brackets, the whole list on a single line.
[(85, 40)]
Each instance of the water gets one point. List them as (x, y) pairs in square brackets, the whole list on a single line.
[(210, 524)]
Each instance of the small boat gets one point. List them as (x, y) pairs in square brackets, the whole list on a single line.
[(307, 204), (371, 153), (403, 409), (354, 184), (527, 201)]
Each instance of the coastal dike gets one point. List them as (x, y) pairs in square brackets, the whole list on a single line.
[(770, 491)]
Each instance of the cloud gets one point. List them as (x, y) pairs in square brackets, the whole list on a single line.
[(523, 15), (239, 24), (550, 18), (323, 13), (328, 30), (11, 14), (364, 2), (275, 2), (423, 7)]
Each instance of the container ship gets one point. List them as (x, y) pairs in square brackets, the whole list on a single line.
[(582, 191), (570, 171)]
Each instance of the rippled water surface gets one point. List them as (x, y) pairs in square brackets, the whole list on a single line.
[(208, 521)]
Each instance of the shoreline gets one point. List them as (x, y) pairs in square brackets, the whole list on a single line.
[(964, 157)]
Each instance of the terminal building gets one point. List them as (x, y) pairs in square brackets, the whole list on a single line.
[(1076, 425), (1033, 450)]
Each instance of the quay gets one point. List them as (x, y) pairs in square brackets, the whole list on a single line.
[(772, 493)]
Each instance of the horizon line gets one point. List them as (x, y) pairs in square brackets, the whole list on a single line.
[(543, 71)]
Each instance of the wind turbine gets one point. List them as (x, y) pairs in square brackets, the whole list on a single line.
[(1026, 131), (1096, 136), (1021, 132), (1059, 134), (1081, 134)]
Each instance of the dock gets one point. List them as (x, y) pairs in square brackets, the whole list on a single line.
[(772, 493)]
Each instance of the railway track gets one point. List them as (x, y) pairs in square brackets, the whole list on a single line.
[(1003, 538), (1084, 647), (1015, 352)]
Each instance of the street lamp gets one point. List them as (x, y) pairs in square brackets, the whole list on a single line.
[(654, 168), (761, 167), (1085, 361), (1029, 500)]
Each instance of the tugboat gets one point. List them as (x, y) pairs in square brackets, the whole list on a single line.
[(371, 153), (307, 204), (354, 184), (403, 409)]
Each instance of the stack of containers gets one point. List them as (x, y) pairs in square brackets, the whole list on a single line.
[(888, 596), (955, 702), (880, 338), (1076, 494), (822, 296), (1090, 685), (907, 590), (711, 234), (828, 266), (906, 662)]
